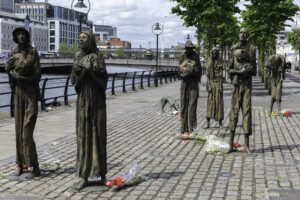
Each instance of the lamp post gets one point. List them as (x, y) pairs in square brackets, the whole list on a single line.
[(157, 29), (81, 5), (188, 37)]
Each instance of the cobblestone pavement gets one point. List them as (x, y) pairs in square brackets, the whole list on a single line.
[(139, 133)]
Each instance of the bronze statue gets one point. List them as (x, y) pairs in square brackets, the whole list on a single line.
[(190, 72), (214, 73), (241, 69), (24, 70), (276, 70), (90, 78)]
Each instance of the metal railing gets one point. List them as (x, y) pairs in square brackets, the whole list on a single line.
[(116, 82)]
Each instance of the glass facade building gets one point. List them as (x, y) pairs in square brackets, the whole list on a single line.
[(7, 5), (63, 23)]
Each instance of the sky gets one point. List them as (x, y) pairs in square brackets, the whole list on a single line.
[(134, 20)]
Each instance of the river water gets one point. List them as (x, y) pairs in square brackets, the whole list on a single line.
[(4, 87)]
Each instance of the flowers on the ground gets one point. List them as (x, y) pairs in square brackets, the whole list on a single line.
[(2, 176), (286, 113), (216, 145), (131, 178), (236, 145), (191, 136), (52, 164), (117, 181)]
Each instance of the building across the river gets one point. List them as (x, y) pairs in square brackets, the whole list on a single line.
[(10, 21)]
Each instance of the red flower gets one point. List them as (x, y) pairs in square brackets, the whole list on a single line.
[(287, 113), (117, 181), (236, 145)]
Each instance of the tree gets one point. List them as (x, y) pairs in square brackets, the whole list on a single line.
[(214, 20), (63, 48), (264, 19), (120, 53), (73, 49), (294, 40)]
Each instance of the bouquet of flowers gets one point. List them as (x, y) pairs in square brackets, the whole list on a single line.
[(52, 164), (286, 113), (131, 178), (216, 145), (199, 139), (184, 136)]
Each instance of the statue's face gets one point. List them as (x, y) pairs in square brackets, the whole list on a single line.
[(21, 37), (189, 50), (215, 54), (84, 41), (243, 34)]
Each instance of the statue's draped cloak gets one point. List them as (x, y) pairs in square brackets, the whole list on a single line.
[(90, 117), (215, 104), (189, 93), (26, 97)]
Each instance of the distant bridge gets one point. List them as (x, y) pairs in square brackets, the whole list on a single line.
[(65, 65)]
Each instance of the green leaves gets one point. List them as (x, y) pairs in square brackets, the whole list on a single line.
[(264, 19), (294, 39), (120, 52), (65, 49), (214, 20)]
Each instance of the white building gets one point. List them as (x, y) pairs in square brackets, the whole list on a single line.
[(284, 48), (104, 32), (10, 21), (7, 6), (282, 45)]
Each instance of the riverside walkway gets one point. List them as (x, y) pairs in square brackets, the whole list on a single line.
[(139, 133)]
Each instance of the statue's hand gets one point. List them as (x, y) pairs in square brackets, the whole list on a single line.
[(84, 63), (242, 70), (10, 63), (15, 75)]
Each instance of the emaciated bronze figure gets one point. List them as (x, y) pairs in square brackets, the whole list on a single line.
[(276, 70), (241, 69), (89, 77), (24, 70), (214, 73), (190, 71)]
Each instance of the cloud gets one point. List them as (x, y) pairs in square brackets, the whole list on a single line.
[(134, 19)]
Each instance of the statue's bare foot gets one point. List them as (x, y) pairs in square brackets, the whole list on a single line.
[(18, 171), (34, 173), (103, 180), (82, 184)]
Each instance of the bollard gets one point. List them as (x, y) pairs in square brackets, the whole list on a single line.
[(149, 79), (166, 74), (124, 82), (133, 81), (43, 103), (142, 77), (160, 77), (66, 100), (113, 84)]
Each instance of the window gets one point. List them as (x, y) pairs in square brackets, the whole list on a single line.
[(52, 25), (52, 40), (52, 47), (52, 32)]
